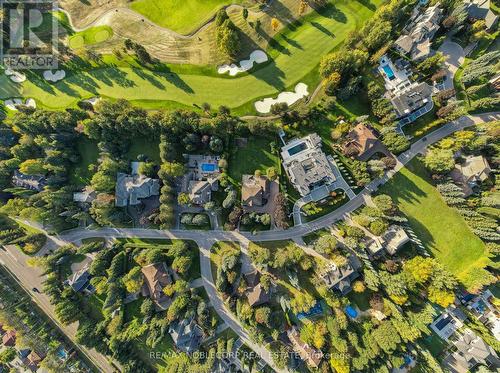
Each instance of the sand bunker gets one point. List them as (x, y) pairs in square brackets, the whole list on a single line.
[(92, 101), (256, 56), (54, 76), (12, 103), (264, 106), (17, 77)]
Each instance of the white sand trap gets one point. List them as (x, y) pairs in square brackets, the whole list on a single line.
[(92, 101), (13, 103), (8, 72), (31, 103), (18, 77), (264, 106), (256, 56), (54, 76)]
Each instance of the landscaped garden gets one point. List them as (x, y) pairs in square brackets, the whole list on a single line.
[(442, 230)]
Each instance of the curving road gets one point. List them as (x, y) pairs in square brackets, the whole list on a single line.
[(205, 239)]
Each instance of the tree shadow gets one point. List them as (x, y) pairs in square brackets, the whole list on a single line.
[(283, 14), (367, 4), (323, 29), (150, 78), (272, 75), (331, 11), (275, 44), (292, 42)]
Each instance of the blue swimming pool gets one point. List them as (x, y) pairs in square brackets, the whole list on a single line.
[(208, 167), (388, 71), (351, 312), (297, 148)]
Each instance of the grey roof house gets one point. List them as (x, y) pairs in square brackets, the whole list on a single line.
[(80, 281), (418, 34), (186, 334), (31, 182), (256, 294), (474, 170), (411, 99), (480, 9), (448, 322), (340, 278), (130, 189), (201, 178), (306, 165), (471, 351)]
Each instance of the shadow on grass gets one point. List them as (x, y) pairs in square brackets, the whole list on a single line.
[(367, 4), (272, 75), (323, 29)]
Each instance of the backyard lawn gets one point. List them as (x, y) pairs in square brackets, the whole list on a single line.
[(291, 62), (80, 174), (255, 155), (442, 230)]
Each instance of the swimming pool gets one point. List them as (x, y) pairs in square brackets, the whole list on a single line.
[(208, 167), (388, 71), (297, 148), (351, 312)]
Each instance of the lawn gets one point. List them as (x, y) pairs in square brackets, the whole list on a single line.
[(442, 230), (255, 155), (90, 36), (295, 53), (80, 174), (148, 147), (181, 16)]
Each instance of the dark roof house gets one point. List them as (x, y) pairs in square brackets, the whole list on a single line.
[(340, 278), (80, 281), (471, 351), (33, 361), (254, 191), (256, 294), (31, 182), (186, 334), (411, 99), (130, 189)]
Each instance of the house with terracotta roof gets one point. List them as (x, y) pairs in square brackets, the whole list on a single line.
[(362, 143), (33, 360), (254, 191), (468, 175), (157, 277), (307, 353), (256, 294), (9, 338)]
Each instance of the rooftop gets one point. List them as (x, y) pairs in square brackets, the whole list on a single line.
[(131, 188), (411, 98), (157, 277), (307, 353), (254, 190), (306, 165)]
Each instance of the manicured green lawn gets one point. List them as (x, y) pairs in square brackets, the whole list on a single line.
[(256, 155), (92, 35), (80, 174), (148, 147), (181, 16), (442, 230), (295, 53)]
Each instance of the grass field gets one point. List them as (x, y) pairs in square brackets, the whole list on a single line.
[(295, 53), (80, 175), (92, 35), (441, 229), (181, 16), (256, 155)]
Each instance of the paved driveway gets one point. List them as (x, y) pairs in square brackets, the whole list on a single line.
[(455, 57)]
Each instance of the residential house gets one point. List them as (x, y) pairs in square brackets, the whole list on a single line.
[(495, 82), (480, 10), (307, 353), (340, 278), (201, 179), (256, 294), (86, 196), (418, 34), (186, 334), (33, 361), (157, 277), (307, 167), (474, 170), (80, 281), (363, 142), (471, 351), (448, 322), (482, 306), (130, 189), (254, 191), (31, 182), (9, 338), (394, 238), (412, 102)]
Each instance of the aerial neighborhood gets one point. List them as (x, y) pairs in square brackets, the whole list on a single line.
[(250, 186)]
